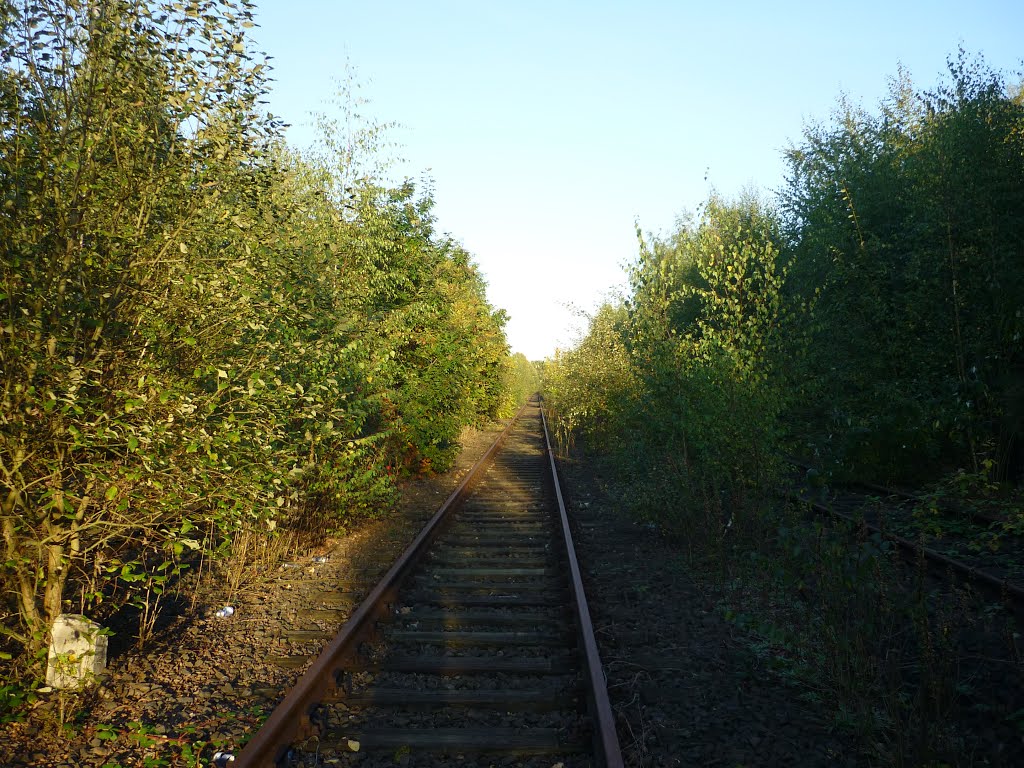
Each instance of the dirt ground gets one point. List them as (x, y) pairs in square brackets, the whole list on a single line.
[(687, 689)]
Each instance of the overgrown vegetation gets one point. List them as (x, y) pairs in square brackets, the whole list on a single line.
[(206, 338), (520, 380), (869, 319), (909, 224)]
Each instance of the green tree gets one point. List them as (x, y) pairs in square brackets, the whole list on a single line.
[(906, 222), (588, 388), (706, 328), (688, 369), (520, 379), (129, 124)]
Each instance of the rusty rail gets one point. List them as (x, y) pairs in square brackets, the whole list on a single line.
[(290, 720), (606, 741), (1002, 585)]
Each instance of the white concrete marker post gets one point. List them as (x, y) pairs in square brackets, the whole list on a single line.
[(78, 652)]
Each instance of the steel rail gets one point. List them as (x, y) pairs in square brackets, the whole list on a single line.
[(606, 740), (1004, 586), (291, 719)]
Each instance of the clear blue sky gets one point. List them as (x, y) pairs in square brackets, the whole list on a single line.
[(549, 128)]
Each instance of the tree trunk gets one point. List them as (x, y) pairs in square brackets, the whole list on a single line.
[(25, 587), (56, 575)]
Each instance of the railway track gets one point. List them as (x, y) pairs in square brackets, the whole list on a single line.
[(954, 542), (475, 646)]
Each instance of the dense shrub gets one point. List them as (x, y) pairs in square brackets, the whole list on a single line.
[(872, 323), (520, 381), (679, 382), (202, 333), (909, 224), (586, 388)]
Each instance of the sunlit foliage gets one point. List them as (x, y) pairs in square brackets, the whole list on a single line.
[(520, 380), (870, 321), (679, 381), (201, 332)]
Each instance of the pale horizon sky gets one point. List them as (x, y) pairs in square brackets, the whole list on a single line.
[(549, 129)]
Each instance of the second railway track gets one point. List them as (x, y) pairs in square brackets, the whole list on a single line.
[(475, 647), (893, 514)]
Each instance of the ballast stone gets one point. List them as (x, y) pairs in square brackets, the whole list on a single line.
[(78, 651)]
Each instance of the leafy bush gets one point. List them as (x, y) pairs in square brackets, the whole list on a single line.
[(132, 129), (874, 324), (204, 336), (908, 223), (587, 388), (680, 382), (520, 380)]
